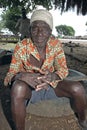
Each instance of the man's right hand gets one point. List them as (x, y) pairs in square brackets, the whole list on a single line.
[(30, 78)]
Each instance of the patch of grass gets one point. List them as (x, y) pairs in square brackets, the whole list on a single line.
[(7, 46)]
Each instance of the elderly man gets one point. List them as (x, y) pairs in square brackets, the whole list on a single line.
[(41, 59)]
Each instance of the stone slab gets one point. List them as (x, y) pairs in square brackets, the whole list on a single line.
[(59, 123), (51, 108)]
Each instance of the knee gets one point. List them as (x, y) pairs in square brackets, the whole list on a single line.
[(18, 90), (77, 89)]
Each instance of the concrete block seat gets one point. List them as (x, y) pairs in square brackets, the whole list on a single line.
[(52, 114)]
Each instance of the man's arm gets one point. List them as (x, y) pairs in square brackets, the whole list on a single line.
[(18, 24), (15, 66)]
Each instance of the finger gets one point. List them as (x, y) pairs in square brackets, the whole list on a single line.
[(41, 71), (41, 77), (44, 87), (40, 85), (37, 89), (44, 80)]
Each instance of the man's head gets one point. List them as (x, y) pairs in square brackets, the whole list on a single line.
[(41, 23), (23, 13), (43, 15)]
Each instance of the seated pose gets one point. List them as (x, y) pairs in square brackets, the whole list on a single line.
[(39, 64)]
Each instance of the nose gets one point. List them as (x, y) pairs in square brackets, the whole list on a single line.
[(39, 31)]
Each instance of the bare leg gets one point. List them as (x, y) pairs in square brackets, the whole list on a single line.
[(75, 91), (19, 93)]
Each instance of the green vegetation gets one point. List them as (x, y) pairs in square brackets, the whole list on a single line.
[(65, 5), (64, 30), (12, 9), (9, 19), (7, 46)]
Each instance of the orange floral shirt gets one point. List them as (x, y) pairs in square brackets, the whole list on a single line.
[(55, 59)]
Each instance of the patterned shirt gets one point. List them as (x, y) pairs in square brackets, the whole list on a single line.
[(55, 60)]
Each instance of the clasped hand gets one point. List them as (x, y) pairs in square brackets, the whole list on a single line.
[(38, 80)]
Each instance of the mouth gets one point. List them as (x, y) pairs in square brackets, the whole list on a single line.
[(40, 39)]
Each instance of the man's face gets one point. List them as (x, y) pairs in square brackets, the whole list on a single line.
[(40, 32)]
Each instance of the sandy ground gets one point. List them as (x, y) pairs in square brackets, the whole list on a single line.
[(76, 54)]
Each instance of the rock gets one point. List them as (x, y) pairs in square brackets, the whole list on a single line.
[(2, 52), (5, 57), (3, 122)]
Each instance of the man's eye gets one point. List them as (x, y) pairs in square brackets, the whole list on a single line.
[(34, 30)]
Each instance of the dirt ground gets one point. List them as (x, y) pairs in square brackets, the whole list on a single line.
[(77, 59)]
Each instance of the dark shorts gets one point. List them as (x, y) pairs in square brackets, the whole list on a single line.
[(43, 95)]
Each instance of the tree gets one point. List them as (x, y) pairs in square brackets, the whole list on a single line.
[(13, 11), (9, 19), (13, 7), (65, 5), (64, 30)]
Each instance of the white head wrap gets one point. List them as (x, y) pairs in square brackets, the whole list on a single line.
[(43, 15)]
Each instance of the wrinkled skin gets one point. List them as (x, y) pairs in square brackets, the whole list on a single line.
[(23, 85)]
